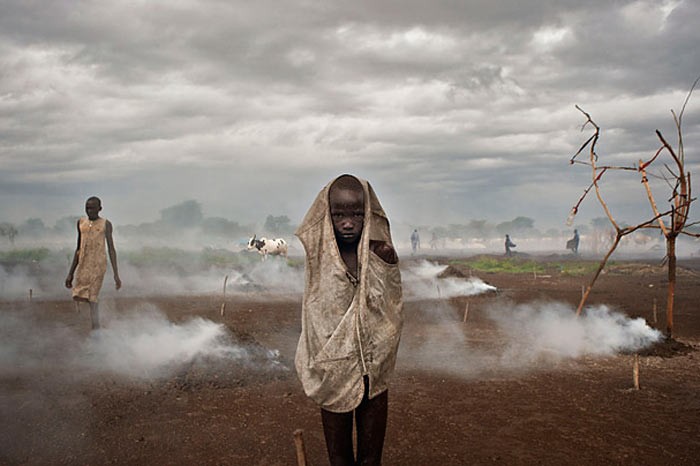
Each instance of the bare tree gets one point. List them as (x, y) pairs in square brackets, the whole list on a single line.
[(672, 222)]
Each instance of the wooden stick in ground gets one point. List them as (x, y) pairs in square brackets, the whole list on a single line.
[(300, 448), (466, 312), (635, 372), (223, 304), (654, 312), (30, 295)]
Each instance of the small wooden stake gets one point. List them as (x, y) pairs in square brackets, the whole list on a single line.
[(534, 272), (635, 372), (301, 449), (30, 294), (223, 304), (654, 310), (466, 312)]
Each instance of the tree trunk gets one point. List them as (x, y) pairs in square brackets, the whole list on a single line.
[(671, 253)]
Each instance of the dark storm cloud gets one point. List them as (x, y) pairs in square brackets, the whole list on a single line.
[(456, 110)]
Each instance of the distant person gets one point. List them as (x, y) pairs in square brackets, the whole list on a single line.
[(351, 321), (415, 241), (433, 241), (90, 258), (573, 243), (509, 244)]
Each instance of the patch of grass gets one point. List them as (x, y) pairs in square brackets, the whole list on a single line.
[(223, 258), (577, 268), (180, 259), (295, 261), (496, 265), (159, 257), (24, 255), (521, 265)]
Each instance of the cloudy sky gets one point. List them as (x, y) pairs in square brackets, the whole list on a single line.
[(453, 110)]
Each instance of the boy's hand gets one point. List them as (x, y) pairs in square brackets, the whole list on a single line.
[(69, 281), (117, 282), (384, 251)]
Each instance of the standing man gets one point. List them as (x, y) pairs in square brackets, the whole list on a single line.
[(90, 258), (351, 317), (433, 241), (573, 243), (509, 244), (415, 241)]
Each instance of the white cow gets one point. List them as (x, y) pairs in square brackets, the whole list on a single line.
[(273, 247)]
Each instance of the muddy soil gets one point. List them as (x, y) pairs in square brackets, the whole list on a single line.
[(457, 411)]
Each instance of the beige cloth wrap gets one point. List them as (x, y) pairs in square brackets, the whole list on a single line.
[(347, 330), (92, 259)]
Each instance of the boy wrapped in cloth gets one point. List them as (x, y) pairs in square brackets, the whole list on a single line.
[(351, 317)]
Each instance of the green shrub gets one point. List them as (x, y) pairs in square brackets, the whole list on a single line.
[(578, 268), (505, 265), (24, 255), (183, 260)]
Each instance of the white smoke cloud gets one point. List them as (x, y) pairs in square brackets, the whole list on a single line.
[(161, 281), (272, 276), (138, 344), (440, 344), (16, 282), (29, 342), (525, 337), (145, 344), (537, 332), (420, 281)]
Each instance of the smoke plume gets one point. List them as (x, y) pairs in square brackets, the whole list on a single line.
[(140, 344), (422, 281), (524, 337), (542, 331), (145, 344)]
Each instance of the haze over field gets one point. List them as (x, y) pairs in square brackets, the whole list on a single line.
[(453, 110), (141, 342)]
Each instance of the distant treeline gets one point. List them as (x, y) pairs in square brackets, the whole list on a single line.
[(172, 221), (188, 215)]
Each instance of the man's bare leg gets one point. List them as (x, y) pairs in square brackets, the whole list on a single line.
[(371, 418), (95, 315), (337, 428)]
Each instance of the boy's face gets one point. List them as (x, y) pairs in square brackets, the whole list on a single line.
[(347, 214), (92, 209)]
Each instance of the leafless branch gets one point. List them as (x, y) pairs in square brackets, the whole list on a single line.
[(670, 171), (582, 147), (679, 119), (678, 181)]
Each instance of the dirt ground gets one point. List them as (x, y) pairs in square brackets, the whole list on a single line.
[(581, 411)]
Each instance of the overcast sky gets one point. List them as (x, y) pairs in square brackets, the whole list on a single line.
[(453, 110)]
